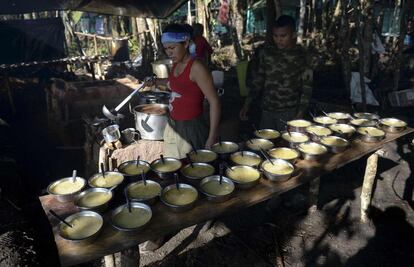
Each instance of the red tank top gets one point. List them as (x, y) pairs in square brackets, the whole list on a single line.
[(186, 102)]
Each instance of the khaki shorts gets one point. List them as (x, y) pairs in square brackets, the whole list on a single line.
[(179, 135)]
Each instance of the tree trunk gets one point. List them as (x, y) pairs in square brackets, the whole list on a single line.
[(378, 27), (234, 30), (345, 39), (301, 30)]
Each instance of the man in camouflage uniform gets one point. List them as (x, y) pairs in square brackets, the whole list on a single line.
[(281, 78)]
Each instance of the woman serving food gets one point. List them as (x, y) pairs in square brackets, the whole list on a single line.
[(190, 81)]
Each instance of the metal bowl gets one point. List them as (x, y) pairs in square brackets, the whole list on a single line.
[(316, 132), (87, 195), (176, 206), (312, 150), (246, 158), (268, 134), (203, 155), (341, 117), (325, 120), (200, 170), (65, 196), (111, 180), (392, 125), (343, 130), (130, 168), (295, 138), (335, 144), (166, 174), (371, 134), (152, 191), (361, 122), (214, 181), (281, 153), (277, 177), (79, 222), (366, 115), (256, 144), (225, 148), (138, 210), (243, 176), (298, 125)]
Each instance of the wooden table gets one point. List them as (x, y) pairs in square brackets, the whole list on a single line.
[(164, 221)]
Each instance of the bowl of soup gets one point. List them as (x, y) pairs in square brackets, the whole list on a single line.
[(366, 115), (371, 134), (325, 120), (147, 192), (134, 167), (96, 199), (335, 144), (203, 155), (277, 170), (197, 171), (106, 179), (216, 189), (343, 130), (341, 117), (225, 148), (362, 122), (298, 125), (66, 189), (285, 153), (243, 176), (124, 219), (316, 132), (86, 226), (181, 197), (247, 158), (166, 167), (295, 138), (268, 134), (312, 150), (256, 144), (392, 125)]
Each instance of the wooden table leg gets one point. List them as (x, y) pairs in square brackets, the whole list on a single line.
[(314, 194), (369, 178), (109, 260), (130, 257)]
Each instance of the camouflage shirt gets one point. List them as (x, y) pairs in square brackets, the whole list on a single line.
[(280, 79)]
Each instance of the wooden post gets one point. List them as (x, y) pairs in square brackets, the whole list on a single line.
[(109, 260), (314, 194), (369, 178), (130, 257)]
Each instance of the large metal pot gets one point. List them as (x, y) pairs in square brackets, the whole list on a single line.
[(150, 120), (162, 67)]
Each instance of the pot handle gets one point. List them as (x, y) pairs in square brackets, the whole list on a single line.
[(130, 109)]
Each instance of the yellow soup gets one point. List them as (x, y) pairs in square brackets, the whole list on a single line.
[(295, 137), (371, 131), (94, 199), (141, 191), (82, 227), (312, 148), (283, 153), (277, 168), (299, 123), (267, 134), (243, 175), (183, 196), (342, 128), (318, 130), (248, 160), (257, 144), (110, 180), (202, 156), (198, 171), (224, 148), (67, 187), (213, 187), (325, 120), (167, 166), (333, 141), (134, 169), (134, 219)]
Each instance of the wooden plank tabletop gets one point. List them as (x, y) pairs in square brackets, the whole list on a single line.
[(165, 221)]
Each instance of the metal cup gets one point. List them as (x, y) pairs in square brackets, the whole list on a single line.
[(111, 133), (130, 135)]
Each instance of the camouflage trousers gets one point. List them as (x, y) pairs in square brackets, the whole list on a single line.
[(271, 119), (178, 136)]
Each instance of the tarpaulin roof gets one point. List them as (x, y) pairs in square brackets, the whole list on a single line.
[(135, 8)]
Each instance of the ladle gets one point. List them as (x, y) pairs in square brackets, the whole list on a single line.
[(177, 184), (116, 116), (138, 160), (127, 199), (219, 139), (288, 131), (162, 159), (193, 147), (102, 170), (189, 159), (74, 176), (221, 173), (144, 179), (60, 218), (266, 156)]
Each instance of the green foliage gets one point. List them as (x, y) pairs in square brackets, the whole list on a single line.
[(134, 47), (76, 16)]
